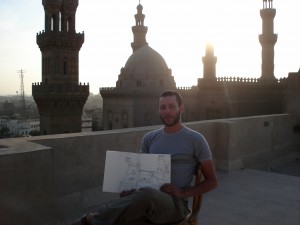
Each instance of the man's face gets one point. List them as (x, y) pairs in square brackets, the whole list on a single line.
[(169, 111)]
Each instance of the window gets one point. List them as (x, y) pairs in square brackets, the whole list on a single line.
[(52, 23), (68, 25), (59, 20)]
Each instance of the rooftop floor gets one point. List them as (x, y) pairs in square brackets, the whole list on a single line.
[(253, 197)]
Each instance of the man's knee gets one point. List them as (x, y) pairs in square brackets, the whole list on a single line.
[(147, 191), (146, 194)]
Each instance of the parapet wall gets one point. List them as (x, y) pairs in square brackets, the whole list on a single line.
[(51, 178)]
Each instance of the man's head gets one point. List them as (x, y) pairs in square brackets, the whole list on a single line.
[(173, 93), (170, 108)]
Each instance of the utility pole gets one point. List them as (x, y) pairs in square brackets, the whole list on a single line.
[(22, 93)]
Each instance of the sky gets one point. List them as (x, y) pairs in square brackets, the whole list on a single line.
[(177, 29)]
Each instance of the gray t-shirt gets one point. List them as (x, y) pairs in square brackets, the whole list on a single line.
[(187, 148)]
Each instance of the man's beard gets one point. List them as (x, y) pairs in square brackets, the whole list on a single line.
[(175, 120)]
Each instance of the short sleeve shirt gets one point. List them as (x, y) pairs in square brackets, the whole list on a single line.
[(187, 148)]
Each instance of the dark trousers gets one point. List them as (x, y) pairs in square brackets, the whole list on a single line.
[(143, 205)]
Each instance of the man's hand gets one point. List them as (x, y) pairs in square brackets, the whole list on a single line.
[(127, 192), (209, 183), (171, 189)]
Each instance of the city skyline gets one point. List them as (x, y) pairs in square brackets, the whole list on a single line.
[(187, 27)]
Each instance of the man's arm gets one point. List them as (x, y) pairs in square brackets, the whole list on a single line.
[(209, 183)]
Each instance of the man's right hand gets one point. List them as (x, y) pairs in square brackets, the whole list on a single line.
[(127, 192)]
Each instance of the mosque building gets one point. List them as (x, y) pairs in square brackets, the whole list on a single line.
[(133, 102), (60, 96)]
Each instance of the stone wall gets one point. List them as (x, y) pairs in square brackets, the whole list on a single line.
[(52, 179)]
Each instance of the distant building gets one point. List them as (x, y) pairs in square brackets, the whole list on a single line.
[(86, 124), (133, 102), (34, 125), (97, 119), (19, 128)]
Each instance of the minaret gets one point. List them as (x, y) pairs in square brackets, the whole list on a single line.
[(59, 97), (267, 40), (139, 30), (209, 63)]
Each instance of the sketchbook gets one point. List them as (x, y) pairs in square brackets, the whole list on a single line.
[(128, 170)]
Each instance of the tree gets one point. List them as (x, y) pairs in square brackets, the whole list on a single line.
[(4, 132)]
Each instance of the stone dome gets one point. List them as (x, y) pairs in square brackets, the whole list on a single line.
[(146, 58), (146, 68)]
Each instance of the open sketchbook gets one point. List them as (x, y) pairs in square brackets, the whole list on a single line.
[(127, 170)]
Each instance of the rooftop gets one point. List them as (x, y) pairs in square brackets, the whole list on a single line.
[(253, 197), (249, 197), (54, 179)]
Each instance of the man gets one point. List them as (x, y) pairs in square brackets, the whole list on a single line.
[(187, 148)]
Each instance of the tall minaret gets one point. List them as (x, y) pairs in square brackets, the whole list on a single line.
[(139, 30), (59, 97), (267, 40), (209, 63)]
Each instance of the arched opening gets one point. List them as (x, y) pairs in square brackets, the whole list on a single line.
[(59, 22), (68, 24), (124, 119), (52, 23)]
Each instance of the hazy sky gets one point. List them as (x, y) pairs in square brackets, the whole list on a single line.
[(177, 29)]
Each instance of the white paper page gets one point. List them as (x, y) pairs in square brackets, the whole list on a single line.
[(121, 171), (125, 170), (155, 170)]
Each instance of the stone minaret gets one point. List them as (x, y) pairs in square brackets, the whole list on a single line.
[(139, 30), (209, 63), (267, 40), (59, 97)]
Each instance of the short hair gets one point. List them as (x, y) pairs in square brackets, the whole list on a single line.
[(173, 93)]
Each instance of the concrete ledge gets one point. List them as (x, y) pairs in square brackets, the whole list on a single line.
[(19, 145)]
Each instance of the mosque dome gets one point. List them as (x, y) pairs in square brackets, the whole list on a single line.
[(146, 58), (146, 68)]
